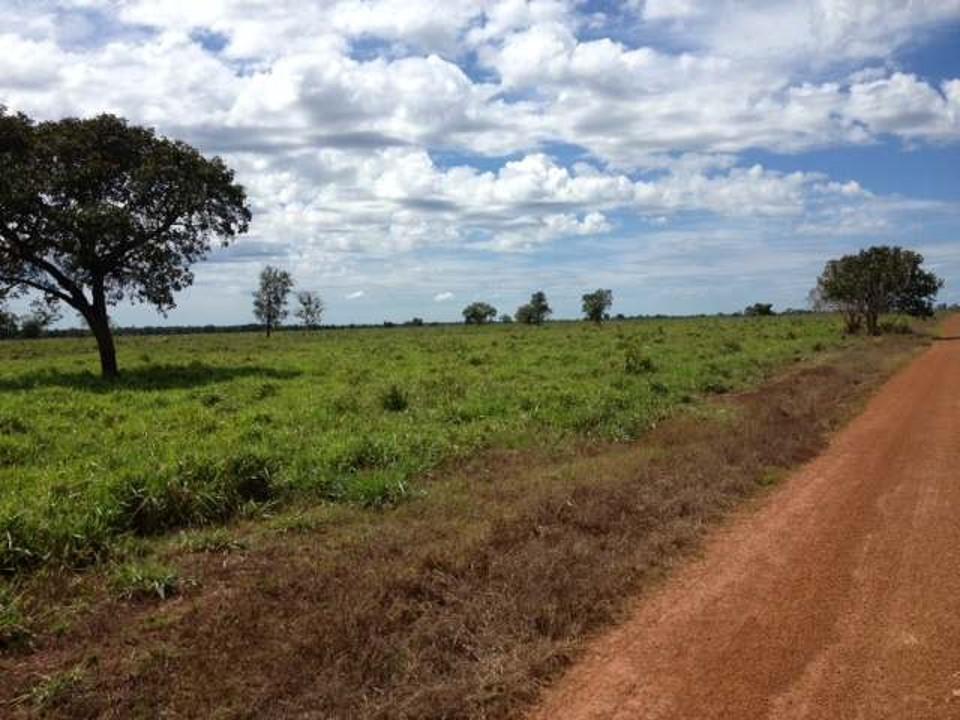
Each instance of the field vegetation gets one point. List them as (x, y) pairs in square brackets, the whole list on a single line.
[(199, 429)]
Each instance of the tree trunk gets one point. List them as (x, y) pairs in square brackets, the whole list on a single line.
[(108, 352)]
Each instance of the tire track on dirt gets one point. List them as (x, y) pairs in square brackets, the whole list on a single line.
[(838, 598)]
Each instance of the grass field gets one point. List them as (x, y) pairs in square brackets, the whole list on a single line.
[(203, 427)]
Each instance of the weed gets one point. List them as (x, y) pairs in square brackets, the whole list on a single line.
[(13, 624), (144, 580), (394, 399), (54, 690), (637, 362), (218, 540)]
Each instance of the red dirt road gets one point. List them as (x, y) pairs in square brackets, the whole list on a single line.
[(838, 598)]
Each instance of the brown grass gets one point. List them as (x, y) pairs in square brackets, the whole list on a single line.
[(460, 604)]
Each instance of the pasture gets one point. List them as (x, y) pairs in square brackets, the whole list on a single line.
[(201, 428)]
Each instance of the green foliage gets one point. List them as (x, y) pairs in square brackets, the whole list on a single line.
[(270, 299), (394, 399), (596, 305), (311, 309), (479, 313), (873, 282), (200, 429), (13, 625), (536, 311), (95, 211), (144, 580), (759, 310)]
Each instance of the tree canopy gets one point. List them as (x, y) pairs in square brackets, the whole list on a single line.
[(535, 311), (270, 299), (311, 308), (479, 313), (759, 310), (94, 211), (875, 281), (596, 305)]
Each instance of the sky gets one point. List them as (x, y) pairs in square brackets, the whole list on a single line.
[(406, 157)]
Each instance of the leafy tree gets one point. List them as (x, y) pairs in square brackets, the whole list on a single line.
[(506, 318), (311, 308), (95, 211), (9, 324), (759, 310), (875, 281), (596, 305), (479, 313), (270, 299), (43, 314), (535, 311)]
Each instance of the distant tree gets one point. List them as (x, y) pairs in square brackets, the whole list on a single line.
[(875, 281), (270, 299), (506, 318), (597, 304), (96, 211), (9, 323), (759, 310), (311, 308), (479, 313), (416, 322), (43, 314), (535, 311)]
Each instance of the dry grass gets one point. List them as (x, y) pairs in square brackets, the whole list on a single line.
[(460, 604)]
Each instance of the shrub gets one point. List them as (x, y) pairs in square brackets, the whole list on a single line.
[(637, 362), (394, 399)]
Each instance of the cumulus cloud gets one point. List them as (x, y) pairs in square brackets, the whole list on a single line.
[(375, 129)]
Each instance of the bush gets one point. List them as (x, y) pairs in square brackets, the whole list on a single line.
[(394, 399), (637, 362)]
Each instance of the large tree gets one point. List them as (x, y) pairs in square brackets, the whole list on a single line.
[(596, 305), (94, 211), (479, 313), (270, 299), (875, 281), (535, 311)]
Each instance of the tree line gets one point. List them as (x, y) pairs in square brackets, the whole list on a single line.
[(596, 308), (96, 211)]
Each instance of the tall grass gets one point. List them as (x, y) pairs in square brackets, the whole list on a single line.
[(201, 427)]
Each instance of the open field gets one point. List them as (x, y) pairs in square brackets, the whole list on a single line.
[(203, 427), (467, 598)]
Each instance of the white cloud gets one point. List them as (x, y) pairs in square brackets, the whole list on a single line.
[(374, 129), (443, 297), (356, 295)]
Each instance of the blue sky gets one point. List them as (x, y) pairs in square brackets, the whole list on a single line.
[(406, 157)]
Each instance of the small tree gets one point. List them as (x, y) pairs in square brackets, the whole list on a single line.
[(479, 313), (270, 300), (506, 318), (95, 211), (759, 310), (535, 311), (311, 309), (596, 305), (875, 281), (9, 324), (43, 314)]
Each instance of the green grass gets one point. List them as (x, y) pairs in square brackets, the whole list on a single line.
[(203, 428)]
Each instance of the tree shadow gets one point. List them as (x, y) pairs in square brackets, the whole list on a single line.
[(147, 377), (945, 338)]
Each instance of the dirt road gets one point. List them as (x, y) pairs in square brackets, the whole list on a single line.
[(838, 598)]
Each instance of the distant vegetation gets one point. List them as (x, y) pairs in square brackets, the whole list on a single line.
[(201, 428)]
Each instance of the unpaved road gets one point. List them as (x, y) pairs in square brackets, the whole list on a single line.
[(838, 598)]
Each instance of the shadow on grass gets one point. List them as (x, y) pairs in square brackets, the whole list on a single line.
[(150, 377)]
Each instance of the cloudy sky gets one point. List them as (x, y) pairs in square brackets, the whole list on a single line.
[(405, 157)]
